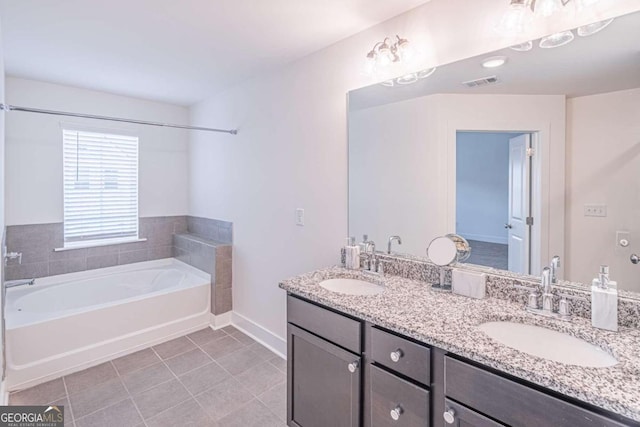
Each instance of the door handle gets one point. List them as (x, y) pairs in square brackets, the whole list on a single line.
[(635, 259), (509, 226)]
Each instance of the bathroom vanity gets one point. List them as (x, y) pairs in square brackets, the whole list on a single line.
[(411, 356)]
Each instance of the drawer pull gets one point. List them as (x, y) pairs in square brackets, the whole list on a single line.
[(396, 355), (396, 412), (353, 366), (449, 416)]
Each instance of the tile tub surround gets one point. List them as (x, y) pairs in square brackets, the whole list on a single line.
[(211, 229), (38, 241), (207, 378), (450, 322), (212, 257)]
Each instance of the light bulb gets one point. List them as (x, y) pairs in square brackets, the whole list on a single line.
[(546, 8), (405, 49), (384, 56), (591, 29), (515, 19), (583, 4), (407, 79), (557, 40), (523, 47)]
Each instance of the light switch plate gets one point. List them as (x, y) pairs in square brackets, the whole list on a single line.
[(595, 210), (300, 217)]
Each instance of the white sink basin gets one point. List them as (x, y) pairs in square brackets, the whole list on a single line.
[(548, 344), (351, 287)]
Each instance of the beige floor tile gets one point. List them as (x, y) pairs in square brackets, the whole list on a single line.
[(206, 335), (276, 400), (253, 414), (146, 378), (239, 361), (188, 361), (134, 361), (42, 394), (188, 413), (174, 347), (261, 351), (91, 377), (203, 378), (99, 397), (222, 347), (261, 378), (122, 414), (244, 339), (224, 398), (279, 363), (160, 398)]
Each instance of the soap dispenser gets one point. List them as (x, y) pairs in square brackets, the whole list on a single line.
[(352, 254), (604, 301)]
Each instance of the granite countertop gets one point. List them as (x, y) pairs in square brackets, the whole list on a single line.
[(450, 322)]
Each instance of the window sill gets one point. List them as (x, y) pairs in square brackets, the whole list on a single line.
[(84, 245)]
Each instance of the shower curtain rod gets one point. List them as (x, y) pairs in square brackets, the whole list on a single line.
[(7, 107)]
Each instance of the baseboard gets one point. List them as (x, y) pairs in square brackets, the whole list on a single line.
[(260, 334), (484, 238), (218, 321)]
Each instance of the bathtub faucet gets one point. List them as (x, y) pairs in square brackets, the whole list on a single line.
[(20, 282)]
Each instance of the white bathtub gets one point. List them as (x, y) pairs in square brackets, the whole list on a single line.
[(69, 322)]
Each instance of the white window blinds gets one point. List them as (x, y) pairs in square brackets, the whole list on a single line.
[(100, 186)]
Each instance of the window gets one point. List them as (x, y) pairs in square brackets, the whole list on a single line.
[(100, 187)]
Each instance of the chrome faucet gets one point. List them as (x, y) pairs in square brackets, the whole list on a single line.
[(547, 296), (555, 265), (391, 239), (20, 282), (564, 311), (371, 263)]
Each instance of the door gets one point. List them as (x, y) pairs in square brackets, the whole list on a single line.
[(519, 204), (323, 382)]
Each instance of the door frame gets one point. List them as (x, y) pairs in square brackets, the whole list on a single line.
[(547, 181)]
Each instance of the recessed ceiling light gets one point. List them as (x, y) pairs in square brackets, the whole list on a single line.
[(388, 83), (557, 40), (494, 62), (523, 47), (407, 79), (423, 74)]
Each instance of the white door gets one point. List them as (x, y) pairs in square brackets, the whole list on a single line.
[(519, 204)]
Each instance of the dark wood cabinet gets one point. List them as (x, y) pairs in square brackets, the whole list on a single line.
[(343, 372), (324, 382)]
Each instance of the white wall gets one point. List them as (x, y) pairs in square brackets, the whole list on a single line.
[(603, 167), (482, 185), (2, 207), (292, 147), (34, 150)]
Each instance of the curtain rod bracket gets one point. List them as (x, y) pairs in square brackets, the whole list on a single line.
[(7, 107)]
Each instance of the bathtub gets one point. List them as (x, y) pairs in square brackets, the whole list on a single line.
[(69, 322)]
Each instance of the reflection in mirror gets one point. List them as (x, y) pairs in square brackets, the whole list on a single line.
[(534, 158)]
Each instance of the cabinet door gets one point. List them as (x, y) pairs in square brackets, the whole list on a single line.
[(459, 416), (323, 382)]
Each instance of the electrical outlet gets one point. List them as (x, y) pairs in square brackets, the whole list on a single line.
[(300, 217), (595, 210)]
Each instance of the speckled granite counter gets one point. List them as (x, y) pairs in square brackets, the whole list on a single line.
[(449, 322)]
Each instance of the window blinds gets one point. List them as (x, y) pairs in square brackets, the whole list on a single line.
[(100, 186)]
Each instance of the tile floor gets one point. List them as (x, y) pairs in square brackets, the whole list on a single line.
[(490, 254), (207, 378)]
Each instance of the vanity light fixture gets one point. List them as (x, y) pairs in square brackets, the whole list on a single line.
[(557, 40), (385, 53), (494, 62)]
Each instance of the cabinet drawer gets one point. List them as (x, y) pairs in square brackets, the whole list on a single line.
[(401, 355), (331, 326), (390, 393), (512, 403)]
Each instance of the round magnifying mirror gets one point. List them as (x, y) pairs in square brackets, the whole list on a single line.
[(448, 249), (442, 251)]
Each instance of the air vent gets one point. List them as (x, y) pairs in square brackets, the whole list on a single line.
[(482, 81)]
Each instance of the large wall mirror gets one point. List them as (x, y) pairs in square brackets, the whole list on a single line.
[(534, 158)]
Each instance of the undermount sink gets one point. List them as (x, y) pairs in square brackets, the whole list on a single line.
[(351, 287), (548, 344)]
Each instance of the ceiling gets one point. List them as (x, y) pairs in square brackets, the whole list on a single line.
[(174, 51), (604, 62)]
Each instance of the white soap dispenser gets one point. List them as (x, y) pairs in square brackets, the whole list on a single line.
[(604, 301), (352, 254)]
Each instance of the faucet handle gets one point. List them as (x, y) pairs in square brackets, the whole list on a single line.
[(532, 301)]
